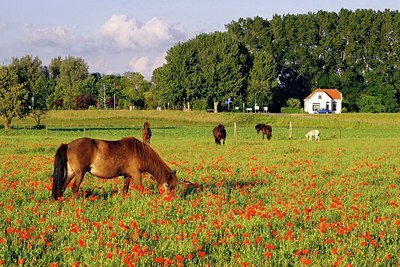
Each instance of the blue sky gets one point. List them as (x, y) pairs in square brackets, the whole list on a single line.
[(116, 36)]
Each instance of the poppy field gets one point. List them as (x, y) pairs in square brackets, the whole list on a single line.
[(250, 202)]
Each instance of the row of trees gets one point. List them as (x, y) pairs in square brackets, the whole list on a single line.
[(270, 61), (28, 87), (256, 61)]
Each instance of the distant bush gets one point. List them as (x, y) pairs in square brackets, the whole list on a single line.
[(293, 103)]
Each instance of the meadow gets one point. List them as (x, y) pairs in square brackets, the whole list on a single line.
[(251, 202)]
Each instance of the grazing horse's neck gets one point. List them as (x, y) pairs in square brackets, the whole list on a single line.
[(154, 165)]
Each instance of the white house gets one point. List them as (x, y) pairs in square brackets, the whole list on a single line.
[(330, 99)]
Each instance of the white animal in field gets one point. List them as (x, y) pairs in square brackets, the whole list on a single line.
[(310, 134)]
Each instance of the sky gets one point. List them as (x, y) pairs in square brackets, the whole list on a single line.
[(118, 36)]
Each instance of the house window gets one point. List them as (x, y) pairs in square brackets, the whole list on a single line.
[(319, 96), (334, 106), (315, 106)]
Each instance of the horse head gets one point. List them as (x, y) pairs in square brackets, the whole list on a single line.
[(258, 128), (170, 184)]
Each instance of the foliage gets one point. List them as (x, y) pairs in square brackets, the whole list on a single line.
[(13, 95), (346, 50), (368, 103), (210, 67), (84, 101), (263, 79), (293, 103), (73, 72), (149, 100)]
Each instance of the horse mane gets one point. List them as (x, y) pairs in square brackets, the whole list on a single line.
[(149, 160)]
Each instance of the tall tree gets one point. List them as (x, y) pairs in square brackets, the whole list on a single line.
[(223, 66), (13, 95), (73, 71), (181, 74), (32, 74), (134, 85), (263, 79)]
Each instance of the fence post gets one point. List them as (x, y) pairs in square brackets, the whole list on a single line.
[(235, 130), (290, 130)]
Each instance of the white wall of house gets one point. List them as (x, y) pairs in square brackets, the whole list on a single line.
[(322, 100)]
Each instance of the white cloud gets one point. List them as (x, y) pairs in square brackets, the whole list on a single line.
[(55, 37), (146, 65), (119, 45), (127, 33), (141, 65)]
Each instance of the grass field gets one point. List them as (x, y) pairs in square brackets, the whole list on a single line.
[(252, 202)]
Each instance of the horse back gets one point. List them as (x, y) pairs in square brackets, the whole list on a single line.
[(219, 132), (82, 150)]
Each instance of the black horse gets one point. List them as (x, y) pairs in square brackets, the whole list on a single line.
[(265, 129), (219, 133)]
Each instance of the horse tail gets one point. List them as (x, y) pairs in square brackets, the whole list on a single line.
[(60, 171)]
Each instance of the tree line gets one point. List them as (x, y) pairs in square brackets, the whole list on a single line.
[(28, 87), (273, 62), (256, 61)]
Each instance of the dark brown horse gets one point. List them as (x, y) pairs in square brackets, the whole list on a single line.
[(219, 133), (146, 133), (128, 157), (265, 129)]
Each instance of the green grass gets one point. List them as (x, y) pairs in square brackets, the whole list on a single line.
[(135, 119), (252, 202)]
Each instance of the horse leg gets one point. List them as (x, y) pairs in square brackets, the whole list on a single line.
[(127, 181), (67, 181), (77, 182), (137, 180)]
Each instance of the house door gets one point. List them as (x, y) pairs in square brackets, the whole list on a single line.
[(334, 106)]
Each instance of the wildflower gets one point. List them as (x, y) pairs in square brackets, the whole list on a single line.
[(268, 254), (202, 253), (305, 261), (81, 243), (158, 260), (179, 258)]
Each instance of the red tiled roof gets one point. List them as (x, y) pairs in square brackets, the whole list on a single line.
[(332, 93)]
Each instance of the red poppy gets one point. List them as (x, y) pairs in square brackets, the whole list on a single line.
[(81, 243)]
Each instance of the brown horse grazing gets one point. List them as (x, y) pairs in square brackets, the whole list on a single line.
[(146, 133), (265, 129), (128, 157), (219, 133)]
